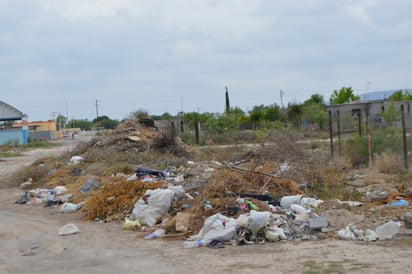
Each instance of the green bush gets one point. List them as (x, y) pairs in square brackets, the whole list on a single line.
[(382, 140)]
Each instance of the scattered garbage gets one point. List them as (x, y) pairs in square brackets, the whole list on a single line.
[(183, 221), (92, 183), (77, 171), (407, 218), (272, 236), (262, 206), (216, 227), (257, 220), (50, 197), (26, 184), (379, 196), (131, 224), (265, 198), (70, 207), (346, 234), (156, 234), (51, 171), (287, 201), (155, 203), (68, 229), (58, 190), (318, 223), (387, 230), (76, 160), (384, 232), (24, 199), (399, 203), (149, 175)]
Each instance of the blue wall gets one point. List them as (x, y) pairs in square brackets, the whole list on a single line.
[(21, 136)]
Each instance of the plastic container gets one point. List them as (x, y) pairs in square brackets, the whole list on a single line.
[(155, 234), (298, 209), (387, 230), (272, 236), (287, 201), (131, 224), (191, 244)]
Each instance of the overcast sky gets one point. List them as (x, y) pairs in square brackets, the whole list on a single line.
[(172, 55)]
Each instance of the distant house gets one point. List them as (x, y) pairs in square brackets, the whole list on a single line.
[(353, 115), (10, 134), (41, 130)]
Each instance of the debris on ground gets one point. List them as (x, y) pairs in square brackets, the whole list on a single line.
[(264, 195), (68, 229)]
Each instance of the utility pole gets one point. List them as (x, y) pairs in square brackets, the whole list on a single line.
[(97, 108), (281, 97), (67, 114)]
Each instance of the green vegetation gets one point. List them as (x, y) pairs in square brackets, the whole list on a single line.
[(8, 154), (344, 95), (401, 95), (391, 115)]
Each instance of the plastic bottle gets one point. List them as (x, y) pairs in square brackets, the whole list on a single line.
[(387, 230), (198, 243), (155, 234)]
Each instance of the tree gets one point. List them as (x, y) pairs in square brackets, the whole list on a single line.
[(227, 103), (256, 115), (401, 95), (271, 113), (315, 99), (344, 95), (391, 115), (100, 118), (60, 122), (191, 117), (108, 123), (294, 113), (83, 124), (164, 116), (315, 114), (105, 122)]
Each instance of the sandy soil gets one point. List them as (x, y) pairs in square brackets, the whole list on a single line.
[(29, 244)]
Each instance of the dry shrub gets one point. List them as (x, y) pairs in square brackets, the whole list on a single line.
[(37, 171), (222, 190), (62, 177), (388, 162), (313, 169), (115, 197), (166, 141)]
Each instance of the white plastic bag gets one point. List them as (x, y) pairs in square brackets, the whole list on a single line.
[(75, 160), (158, 204), (387, 230), (216, 227), (258, 220), (68, 230), (70, 207), (346, 234)]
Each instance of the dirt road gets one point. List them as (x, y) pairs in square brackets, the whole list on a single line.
[(29, 244)]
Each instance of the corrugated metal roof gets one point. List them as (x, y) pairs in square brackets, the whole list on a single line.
[(8, 112), (378, 95)]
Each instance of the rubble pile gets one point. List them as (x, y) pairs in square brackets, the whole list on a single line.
[(129, 136), (265, 196)]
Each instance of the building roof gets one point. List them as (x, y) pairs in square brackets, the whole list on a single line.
[(9, 113), (379, 95)]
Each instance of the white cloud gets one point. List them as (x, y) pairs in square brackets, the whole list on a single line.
[(133, 54)]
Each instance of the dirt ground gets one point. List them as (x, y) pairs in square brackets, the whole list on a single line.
[(29, 244)]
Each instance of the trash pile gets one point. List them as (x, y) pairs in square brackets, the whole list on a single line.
[(210, 203)]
